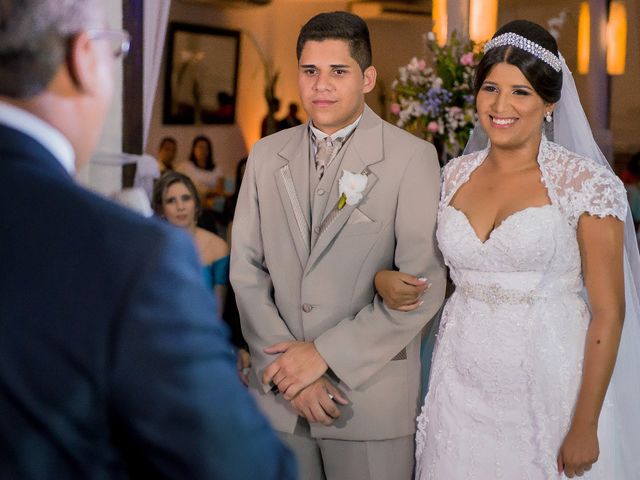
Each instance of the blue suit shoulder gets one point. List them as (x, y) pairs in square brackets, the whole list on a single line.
[(114, 308)]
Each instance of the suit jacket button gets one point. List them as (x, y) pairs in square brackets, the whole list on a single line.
[(306, 308), (320, 191)]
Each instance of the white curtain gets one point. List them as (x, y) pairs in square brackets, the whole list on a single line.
[(156, 15)]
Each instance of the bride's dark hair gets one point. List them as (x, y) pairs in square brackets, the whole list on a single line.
[(542, 77)]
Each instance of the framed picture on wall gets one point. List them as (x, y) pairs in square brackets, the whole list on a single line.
[(201, 74)]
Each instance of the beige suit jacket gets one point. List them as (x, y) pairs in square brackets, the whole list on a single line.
[(288, 290)]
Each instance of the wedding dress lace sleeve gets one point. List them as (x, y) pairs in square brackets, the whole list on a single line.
[(580, 185), (457, 172)]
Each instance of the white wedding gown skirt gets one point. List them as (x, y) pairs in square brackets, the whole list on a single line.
[(508, 360)]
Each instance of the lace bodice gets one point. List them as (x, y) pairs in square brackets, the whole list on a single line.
[(508, 360), (575, 184)]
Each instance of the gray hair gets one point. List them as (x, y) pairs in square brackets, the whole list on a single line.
[(34, 39)]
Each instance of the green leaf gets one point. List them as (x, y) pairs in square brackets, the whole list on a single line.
[(342, 201)]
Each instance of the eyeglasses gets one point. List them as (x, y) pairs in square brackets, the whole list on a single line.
[(119, 40)]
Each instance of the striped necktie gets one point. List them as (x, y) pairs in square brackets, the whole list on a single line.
[(324, 153)]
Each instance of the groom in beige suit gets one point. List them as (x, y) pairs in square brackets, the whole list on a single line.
[(323, 207)]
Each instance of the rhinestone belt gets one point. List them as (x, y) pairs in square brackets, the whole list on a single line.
[(494, 295)]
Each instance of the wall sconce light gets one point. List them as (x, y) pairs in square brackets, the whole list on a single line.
[(483, 19), (440, 20), (616, 38), (584, 38)]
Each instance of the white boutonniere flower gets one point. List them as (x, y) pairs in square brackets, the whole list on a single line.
[(351, 186)]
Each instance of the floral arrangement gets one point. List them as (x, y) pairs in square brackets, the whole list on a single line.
[(436, 101)]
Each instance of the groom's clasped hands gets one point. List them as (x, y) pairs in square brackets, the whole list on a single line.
[(299, 374)]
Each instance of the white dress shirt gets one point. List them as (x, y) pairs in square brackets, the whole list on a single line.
[(318, 135), (342, 133)]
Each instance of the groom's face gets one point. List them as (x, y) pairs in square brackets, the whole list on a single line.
[(332, 85)]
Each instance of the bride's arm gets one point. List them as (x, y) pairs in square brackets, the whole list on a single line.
[(601, 243), (400, 291)]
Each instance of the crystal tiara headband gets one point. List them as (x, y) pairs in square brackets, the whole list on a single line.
[(527, 45)]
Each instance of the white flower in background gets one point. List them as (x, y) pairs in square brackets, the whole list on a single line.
[(404, 76), (556, 23)]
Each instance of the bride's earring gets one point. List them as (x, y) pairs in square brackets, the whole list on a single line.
[(548, 117)]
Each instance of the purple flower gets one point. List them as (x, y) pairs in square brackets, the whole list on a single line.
[(433, 101)]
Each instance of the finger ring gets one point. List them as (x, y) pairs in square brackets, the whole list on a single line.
[(330, 396)]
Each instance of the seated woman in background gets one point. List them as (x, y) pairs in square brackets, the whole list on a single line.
[(176, 200), (207, 179), (200, 167), (167, 153)]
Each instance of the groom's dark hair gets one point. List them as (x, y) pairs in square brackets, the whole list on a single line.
[(339, 26)]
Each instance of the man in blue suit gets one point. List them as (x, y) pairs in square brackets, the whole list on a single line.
[(112, 361)]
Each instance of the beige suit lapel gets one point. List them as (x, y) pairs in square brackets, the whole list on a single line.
[(292, 178), (364, 149)]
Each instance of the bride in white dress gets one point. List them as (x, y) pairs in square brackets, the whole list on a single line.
[(524, 358)]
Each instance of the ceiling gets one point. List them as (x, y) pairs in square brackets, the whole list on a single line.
[(386, 3)]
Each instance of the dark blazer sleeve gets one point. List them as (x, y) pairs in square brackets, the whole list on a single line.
[(177, 405)]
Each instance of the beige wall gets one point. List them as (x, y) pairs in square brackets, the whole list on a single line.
[(625, 89), (276, 28), (111, 138), (228, 141), (625, 97), (394, 42)]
